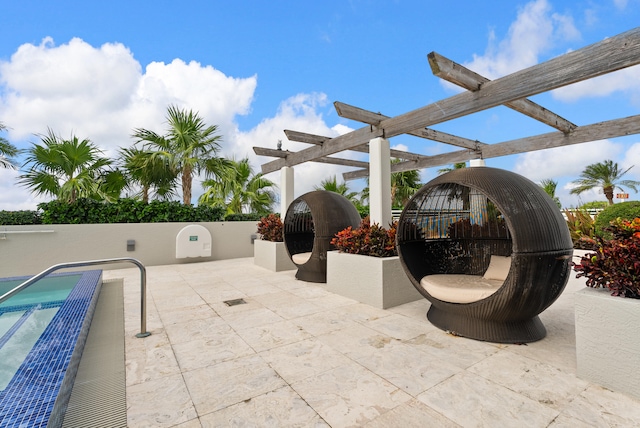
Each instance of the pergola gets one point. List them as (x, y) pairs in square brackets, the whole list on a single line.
[(601, 58)]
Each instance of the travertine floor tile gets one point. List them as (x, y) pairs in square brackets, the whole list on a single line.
[(149, 359), (303, 359), (473, 401), (162, 402), (399, 326), (225, 384), (459, 351), (406, 367), (241, 320), (212, 350), (538, 381), (279, 408), (195, 329), (599, 407), (270, 336), (350, 395), (176, 315), (323, 322), (411, 414)]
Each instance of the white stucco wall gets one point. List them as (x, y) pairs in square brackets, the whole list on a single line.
[(155, 244)]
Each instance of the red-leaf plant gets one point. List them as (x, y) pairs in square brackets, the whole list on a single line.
[(368, 239), (270, 228), (616, 262)]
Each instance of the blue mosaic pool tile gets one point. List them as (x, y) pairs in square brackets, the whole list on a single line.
[(38, 394)]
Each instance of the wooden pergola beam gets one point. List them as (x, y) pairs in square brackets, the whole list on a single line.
[(583, 134), (303, 137), (262, 151), (365, 116), (455, 73), (604, 57)]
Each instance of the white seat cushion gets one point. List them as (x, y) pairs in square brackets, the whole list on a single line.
[(301, 258), (459, 288), (498, 269)]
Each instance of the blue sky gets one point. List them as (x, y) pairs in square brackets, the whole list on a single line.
[(255, 68)]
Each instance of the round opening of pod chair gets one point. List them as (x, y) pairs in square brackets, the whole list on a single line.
[(312, 220), (489, 249)]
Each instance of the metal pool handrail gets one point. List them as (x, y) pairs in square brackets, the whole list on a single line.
[(143, 284)]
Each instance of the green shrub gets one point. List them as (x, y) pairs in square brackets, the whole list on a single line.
[(243, 217), (89, 211), (623, 210), (582, 229), (17, 218)]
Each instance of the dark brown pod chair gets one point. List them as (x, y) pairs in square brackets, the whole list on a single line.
[(457, 222), (312, 220)]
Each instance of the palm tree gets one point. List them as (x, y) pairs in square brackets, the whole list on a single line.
[(549, 186), (606, 175), (239, 189), (66, 169), (188, 146), (331, 185), (403, 186), (7, 151), (152, 171), (458, 165)]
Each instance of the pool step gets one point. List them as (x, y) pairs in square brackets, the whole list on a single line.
[(7, 322), (19, 341)]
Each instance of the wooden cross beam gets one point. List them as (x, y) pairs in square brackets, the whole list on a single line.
[(606, 56), (319, 140), (365, 116), (262, 151), (582, 134), (455, 73)]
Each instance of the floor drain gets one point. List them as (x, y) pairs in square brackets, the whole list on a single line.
[(234, 302)]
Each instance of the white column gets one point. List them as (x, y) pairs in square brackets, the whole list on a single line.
[(286, 189), (380, 182)]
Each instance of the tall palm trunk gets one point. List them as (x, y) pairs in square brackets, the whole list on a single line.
[(186, 185), (608, 193)]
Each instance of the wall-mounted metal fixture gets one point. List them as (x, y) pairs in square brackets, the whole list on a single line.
[(131, 245), (253, 238)]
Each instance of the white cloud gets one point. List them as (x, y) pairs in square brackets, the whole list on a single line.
[(568, 161), (14, 197), (621, 4), (624, 80), (531, 34), (632, 159), (102, 93)]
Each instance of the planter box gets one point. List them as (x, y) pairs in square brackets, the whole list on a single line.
[(379, 282), (608, 340), (272, 256)]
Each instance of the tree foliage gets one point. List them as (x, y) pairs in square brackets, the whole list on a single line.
[(69, 169), (238, 188), (7, 151), (189, 146), (605, 175)]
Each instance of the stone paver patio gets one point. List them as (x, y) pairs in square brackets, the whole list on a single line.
[(297, 355)]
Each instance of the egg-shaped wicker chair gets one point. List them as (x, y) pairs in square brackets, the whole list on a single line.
[(311, 222), (460, 223)]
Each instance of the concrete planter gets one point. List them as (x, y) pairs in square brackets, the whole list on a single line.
[(607, 340), (272, 256), (379, 282)]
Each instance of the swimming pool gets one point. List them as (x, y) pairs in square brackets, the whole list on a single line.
[(42, 332)]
